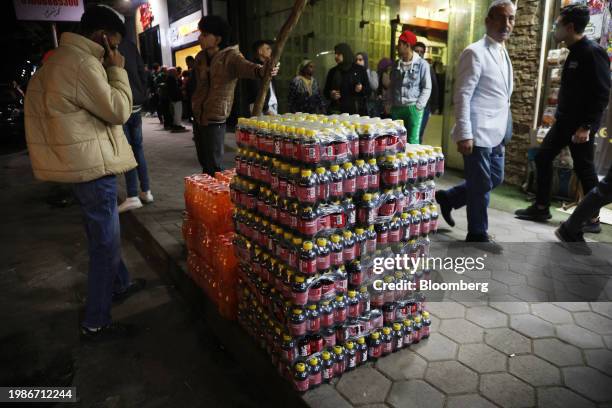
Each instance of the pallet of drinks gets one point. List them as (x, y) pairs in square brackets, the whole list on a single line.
[(208, 232), (317, 200)]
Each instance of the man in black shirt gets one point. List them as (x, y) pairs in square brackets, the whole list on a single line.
[(583, 96)]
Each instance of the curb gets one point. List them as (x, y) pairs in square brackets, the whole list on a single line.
[(167, 257)]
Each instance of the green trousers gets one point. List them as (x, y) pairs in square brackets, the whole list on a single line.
[(412, 118)]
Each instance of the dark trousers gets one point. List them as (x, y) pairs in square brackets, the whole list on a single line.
[(426, 115), (210, 146), (166, 110), (483, 171), (591, 204), (133, 132), (107, 272), (559, 136)]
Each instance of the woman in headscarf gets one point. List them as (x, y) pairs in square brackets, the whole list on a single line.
[(304, 93), (347, 85), (361, 58)]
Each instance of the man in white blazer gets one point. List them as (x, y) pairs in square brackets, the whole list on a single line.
[(483, 124)]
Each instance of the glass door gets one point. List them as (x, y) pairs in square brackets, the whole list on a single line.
[(466, 25)]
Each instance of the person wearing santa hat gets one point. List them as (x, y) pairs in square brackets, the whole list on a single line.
[(410, 86)]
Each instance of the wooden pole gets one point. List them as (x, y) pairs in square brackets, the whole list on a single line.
[(283, 35), (54, 34)]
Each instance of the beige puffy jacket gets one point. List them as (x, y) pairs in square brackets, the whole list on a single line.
[(74, 109)]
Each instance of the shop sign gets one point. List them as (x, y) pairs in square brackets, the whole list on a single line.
[(49, 10), (185, 30)]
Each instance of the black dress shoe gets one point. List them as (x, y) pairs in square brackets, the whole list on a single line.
[(135, 286), (533, 213), (445, 207), (114, 331), (575, 243), (484, 242)]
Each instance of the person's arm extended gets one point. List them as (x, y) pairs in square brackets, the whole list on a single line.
[(106, 95), (468, 75), (243, 68)]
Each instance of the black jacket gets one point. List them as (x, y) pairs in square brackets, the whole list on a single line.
[(135, 69), (345, 81), (254, 85), (585, 85), (435, 91)]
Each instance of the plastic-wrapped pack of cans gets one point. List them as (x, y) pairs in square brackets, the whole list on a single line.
[(208, 234), (317, 199)]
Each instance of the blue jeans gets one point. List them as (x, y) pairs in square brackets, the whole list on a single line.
[(483, 171), (107, 272), (133, 132), (426, 114)]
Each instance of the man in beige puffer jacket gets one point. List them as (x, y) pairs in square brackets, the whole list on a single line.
[(74, 108)]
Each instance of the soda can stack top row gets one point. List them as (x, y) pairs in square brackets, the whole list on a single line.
[(317, 199), (209, 234)]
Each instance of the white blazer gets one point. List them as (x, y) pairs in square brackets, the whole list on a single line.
[(482, 94)]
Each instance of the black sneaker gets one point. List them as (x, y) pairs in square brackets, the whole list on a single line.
[(592, 227), (445, 207), (533, 213), (114, 331), (135, 286), (484, 242), (575, 243)]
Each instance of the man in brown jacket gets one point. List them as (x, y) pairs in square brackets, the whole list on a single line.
[(74, 108), (217, 68)]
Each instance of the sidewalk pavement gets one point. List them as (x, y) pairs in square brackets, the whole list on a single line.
[(480, 354), (173, 361)]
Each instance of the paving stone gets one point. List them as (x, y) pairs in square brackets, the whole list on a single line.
[(374, 406), (558, 397), (551, 313), (589, 382), (446, 310), (557, 352), (534, 370), (372, 386), (461, 331), (608, 341), (325, 396), (507, 341), (531, 326), (600, 359), (506, 390), (542, 282), (451, 377), (487, 317), (404, 365), (594, 322), (469, 401), (511, 306), (530, 294), (603, 308), (509, 278), (415, 394), (574, 306), (579, 336), (482, 358), (436, 348)]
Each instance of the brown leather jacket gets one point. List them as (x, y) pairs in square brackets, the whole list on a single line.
[(214, 95)]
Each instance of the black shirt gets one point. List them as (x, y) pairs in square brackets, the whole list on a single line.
[(585, 84)]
